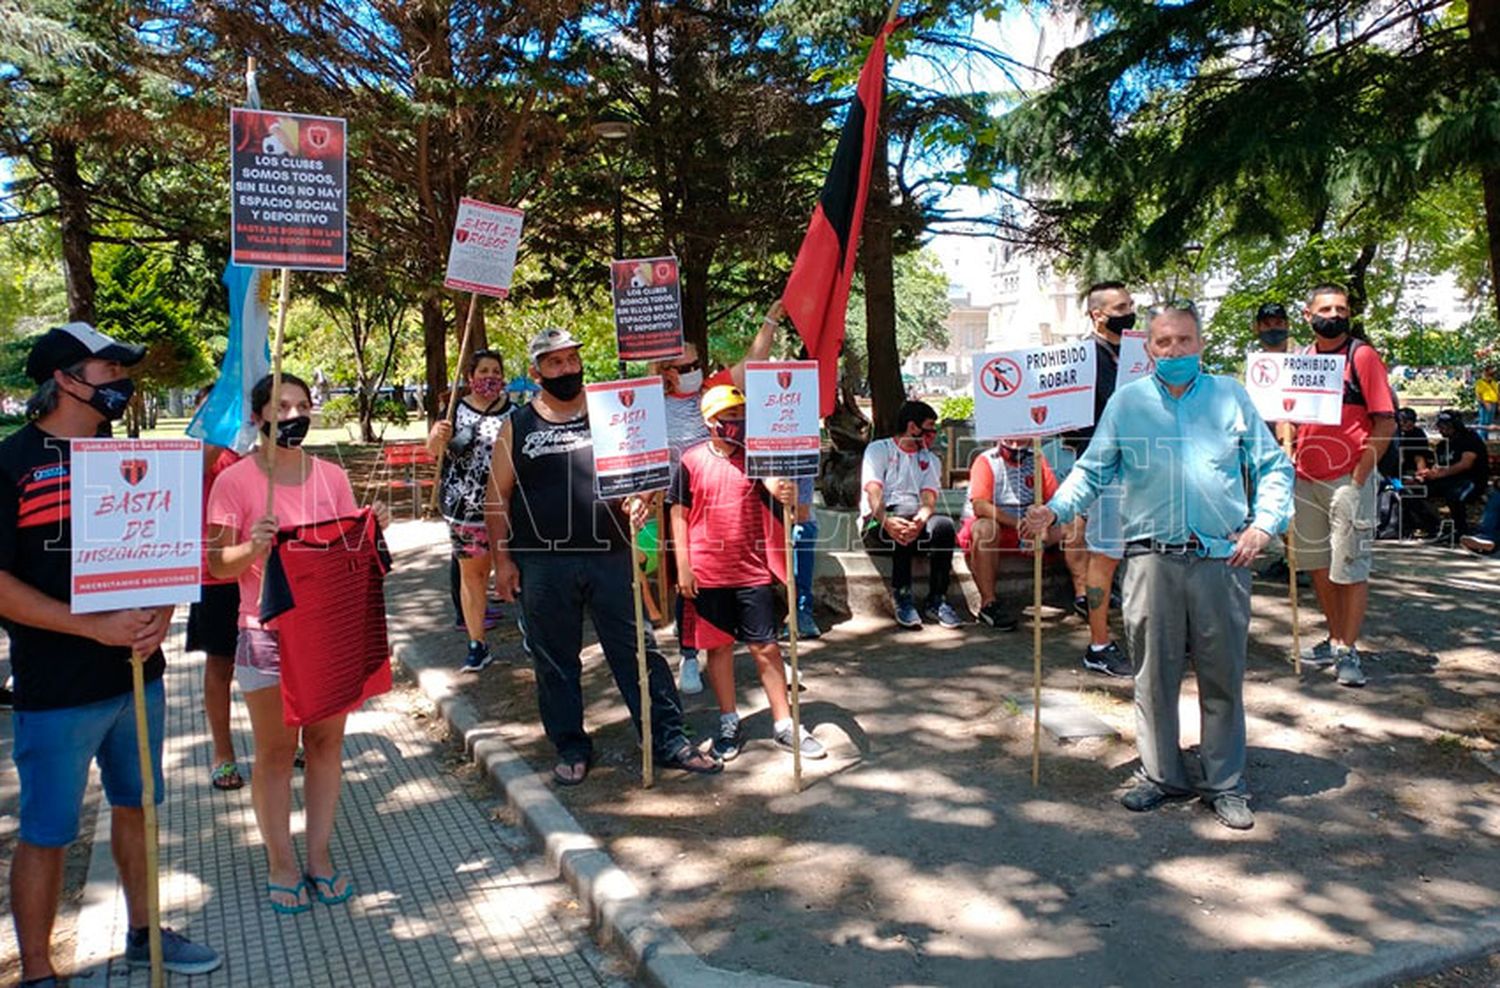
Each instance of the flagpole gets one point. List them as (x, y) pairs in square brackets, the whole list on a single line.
[(1291, 566), (640, 659), (1036, 626), (452, 414), (787, 515), (148, 817), (268, 441)]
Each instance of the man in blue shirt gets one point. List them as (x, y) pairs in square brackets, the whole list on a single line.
[(1182, 442)]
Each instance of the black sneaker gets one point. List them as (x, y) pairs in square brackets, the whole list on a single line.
[(7, 698), (479, 656), (992, 615), (1110, 661), (727, 746), (1147, 795)]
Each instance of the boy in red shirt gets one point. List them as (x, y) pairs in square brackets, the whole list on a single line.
[(1002, 485), (729, 549)]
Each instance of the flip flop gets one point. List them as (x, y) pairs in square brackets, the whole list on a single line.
[(691, 759), (315, 885), (227, 776), (565, 780), (280, 907)]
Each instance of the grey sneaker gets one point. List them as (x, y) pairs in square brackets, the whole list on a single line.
[(727, 746), (1319, 655), (906, 610), (1109, 660), (1347, 667), (690, 681), (942, 612), (178, 954), (811, 747), (1147, 795), (1233, 810)]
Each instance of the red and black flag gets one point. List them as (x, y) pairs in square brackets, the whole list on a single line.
[(817, 293)]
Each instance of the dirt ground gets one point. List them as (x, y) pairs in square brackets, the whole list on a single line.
[(920, 853)]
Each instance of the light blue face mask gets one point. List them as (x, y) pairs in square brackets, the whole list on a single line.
[(1177, 371)]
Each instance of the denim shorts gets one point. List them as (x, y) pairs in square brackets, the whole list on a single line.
[(52, 752), (257, 659)]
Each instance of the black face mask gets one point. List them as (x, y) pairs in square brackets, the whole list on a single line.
[(290, 433), (731, 431), (564, 387), (1273, 337), (1119, 324), (1330, 328), (110, 398)]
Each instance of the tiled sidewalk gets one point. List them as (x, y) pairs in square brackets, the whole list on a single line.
[(446, 895)]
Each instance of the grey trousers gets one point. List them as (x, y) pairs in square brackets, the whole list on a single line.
[(1164, 596)]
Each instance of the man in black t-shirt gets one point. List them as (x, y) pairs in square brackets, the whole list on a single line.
[(565, 550), (73, 699), (1462, 473)]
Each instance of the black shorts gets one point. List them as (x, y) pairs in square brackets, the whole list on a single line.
[(213, 622), (744, 614)]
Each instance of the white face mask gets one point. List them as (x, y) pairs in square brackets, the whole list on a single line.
[(690, 382)]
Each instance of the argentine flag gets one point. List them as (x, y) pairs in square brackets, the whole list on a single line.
[(224, 417)]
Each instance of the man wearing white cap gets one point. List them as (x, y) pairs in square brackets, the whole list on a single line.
[(73, 694)]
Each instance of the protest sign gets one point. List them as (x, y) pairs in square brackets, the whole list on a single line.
[(482, 256), (1034, 392), (137, 513), (628, 424), (1297, 387), (287, 194), (781, 418), (648, 307), (1135, 362)]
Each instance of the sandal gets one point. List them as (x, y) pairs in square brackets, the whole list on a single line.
[(691, 759), (571, 773), (296, 891), (315, 884), (227, 776)]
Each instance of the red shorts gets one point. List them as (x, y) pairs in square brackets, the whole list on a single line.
[(1009, 538)]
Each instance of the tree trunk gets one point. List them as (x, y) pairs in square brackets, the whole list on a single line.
[(435, 354), (877, 262), (1359, 293), (694, 272), (1484, 42), (76, 229)]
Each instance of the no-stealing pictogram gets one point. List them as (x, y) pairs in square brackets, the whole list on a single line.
[(1001, 377)]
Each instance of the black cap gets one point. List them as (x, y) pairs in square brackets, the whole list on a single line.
[(65, 346), (1448, 417), (1407, 414), (1270, 310)]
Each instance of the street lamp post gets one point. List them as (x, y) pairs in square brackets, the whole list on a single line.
[(614, 130)]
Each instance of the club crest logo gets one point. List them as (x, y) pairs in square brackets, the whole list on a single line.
[(134, 471), (461, 234), (922, 464), (627, 397), (784, 378), (1287, 404), (1039, 414)]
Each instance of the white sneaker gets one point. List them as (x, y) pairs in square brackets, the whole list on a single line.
[(690, 681), (1319, 655)]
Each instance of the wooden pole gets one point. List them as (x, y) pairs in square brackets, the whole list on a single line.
[(787, 517), (663, 585), (640, 659), (1291, 566), (1036, 629), (268, 443), (452, 414), (148, 812)]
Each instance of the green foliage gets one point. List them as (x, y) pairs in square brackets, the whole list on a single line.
[(921, 305), (338, 410), (956, 408), (390, 410), (138, 301)]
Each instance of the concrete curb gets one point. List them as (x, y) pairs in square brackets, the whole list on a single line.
[(624, 917), (1412, 960)]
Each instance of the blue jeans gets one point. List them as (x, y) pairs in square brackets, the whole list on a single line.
[(804, 543), (1489, 524), (556, 587)]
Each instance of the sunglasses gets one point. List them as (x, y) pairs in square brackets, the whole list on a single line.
[(686, 368)]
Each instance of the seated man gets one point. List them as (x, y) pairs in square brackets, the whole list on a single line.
[(901, 479), (1462, 472), (1002, 485)]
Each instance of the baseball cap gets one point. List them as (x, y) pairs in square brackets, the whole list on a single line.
[(549, 341), (1448, 417), (1407, 414), (63, 346), (719, 398), (1270, 310)]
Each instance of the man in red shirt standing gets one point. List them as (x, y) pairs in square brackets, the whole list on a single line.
[(1334, 528), (729, 560)]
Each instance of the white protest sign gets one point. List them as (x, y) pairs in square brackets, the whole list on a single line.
[(137, 520), (1297, 387), (482, 256), (1135, 362), (1034, 392), (781, 418), (628, 423)]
